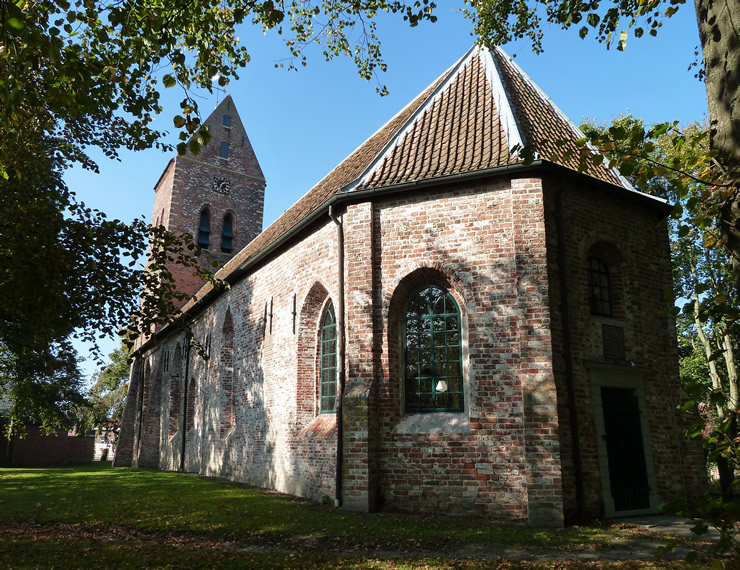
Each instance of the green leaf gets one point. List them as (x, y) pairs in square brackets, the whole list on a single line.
[(626, 168), (169, 81), (16, 23), (179, 121)]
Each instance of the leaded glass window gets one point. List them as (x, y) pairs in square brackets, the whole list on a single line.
[(432, 352), (328, 383), (600, 290)]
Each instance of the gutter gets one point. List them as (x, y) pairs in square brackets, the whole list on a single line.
[(184, 410), (341, 374)]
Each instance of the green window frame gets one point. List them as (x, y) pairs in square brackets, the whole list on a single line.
[(433, 372), (328, 380)]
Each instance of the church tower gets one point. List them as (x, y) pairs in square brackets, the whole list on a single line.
[(216, 196)]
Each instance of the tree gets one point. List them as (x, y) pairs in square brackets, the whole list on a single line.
[(76, 74), (43, 386), (107, 395)]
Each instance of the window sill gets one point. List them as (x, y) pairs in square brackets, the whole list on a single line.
[(322, 426), (434, 423)]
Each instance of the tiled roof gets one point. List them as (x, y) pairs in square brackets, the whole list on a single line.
[(472, 118), (483, 110), (458, 130)]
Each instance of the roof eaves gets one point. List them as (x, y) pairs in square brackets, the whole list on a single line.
[(399, 136)]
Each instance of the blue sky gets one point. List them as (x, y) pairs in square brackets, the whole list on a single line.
[(302, 124)]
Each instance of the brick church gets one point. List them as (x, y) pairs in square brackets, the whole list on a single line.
[(435, 326)]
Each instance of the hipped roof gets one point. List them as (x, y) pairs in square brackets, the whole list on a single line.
[(473, 118)]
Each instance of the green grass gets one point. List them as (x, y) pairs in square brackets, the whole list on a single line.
[(103, 516)]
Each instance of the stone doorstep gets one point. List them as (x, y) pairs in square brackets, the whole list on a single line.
[(668, 524)]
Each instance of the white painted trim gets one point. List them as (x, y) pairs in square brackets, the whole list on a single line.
[(507, 116)]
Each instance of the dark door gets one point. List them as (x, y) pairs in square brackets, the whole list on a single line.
[(624, 448)]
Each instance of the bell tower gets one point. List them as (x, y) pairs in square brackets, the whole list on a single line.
[(216, 196)]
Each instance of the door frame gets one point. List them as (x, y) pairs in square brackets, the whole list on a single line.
[(631, 379)]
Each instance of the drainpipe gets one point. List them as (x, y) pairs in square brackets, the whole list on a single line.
[(568, 355), (140, 398), (184, 414), (340, 354)]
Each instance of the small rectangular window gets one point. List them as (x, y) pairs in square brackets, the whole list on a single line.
[(227, 121), (224, 150)]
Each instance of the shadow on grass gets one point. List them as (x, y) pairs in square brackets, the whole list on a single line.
[(144, 506)]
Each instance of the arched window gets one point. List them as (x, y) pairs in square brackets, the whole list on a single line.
[(204, 230), (175, 382), (600, 287), (432, 352), (224, 150), (226, 370), (227, 121), (328, 382), (228, 234)]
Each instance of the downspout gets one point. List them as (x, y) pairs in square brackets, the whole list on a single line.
[(568, 356), (340, 355), (140, 398), (184, 413)]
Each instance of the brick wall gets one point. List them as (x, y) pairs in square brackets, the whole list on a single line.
[(485, 245), (39, 450), (632, 239), (508, 455)]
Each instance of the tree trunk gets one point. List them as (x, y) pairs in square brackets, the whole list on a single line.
[(719, 32), (708, 349)]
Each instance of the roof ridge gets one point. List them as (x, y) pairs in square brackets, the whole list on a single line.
[(507, 115), (399, 135)]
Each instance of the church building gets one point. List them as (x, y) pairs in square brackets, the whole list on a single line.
[(437, 326)]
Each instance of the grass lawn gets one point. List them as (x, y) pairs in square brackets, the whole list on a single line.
[(98, 516)]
